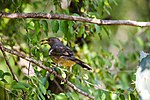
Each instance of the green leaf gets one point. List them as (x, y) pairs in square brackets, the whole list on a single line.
[(103, 97), (52, 77), (37, 26), (42, 88), (43, 79), (25, 84), (49, 92), (122, 97), (55, 26), (70, 33), (61, 96), (140, 41), (81, 30), (98, 28), (63, 74), (73, 95), (107, 31), (46, 85), (70, 27), (114, 1), (30, 25), (3, 80), (7, 74), (41, 95), (34, 51), (64, 27), (19, 86), (45, 26), (132, 97), (38, 36), (47, 64), (1, 74)]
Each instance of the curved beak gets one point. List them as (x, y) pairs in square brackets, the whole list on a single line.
[(44, 41)]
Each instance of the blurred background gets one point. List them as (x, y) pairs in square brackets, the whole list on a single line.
[(112, 51)]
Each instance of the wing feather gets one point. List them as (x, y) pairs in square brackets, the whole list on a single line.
[(60, 51)]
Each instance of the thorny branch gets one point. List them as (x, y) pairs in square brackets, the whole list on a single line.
[(74, 18), (14, 52)]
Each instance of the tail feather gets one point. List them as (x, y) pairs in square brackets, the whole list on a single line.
[(79, 62)]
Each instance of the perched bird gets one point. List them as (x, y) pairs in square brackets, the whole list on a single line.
[(142, 82), (62, 55)]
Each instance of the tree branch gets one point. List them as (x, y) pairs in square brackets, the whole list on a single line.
[(8, 64), (74, 18), (14, 52)]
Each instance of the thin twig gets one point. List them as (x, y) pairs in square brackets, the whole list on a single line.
[(74, 18), (8, 64), (9, 91), (14, 52), (59, 87)]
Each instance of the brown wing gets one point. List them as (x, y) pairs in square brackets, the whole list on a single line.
[(60, 50)]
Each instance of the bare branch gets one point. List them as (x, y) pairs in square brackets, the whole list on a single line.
[(14, 52), (74, 18), (7, 62), (59, 87)]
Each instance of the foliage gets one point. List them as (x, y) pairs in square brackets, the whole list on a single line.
[(113, 52)]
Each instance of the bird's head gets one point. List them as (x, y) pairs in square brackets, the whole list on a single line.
[(51, 41)]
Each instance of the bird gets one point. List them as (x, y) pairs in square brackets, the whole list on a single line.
[(142, 82), (62, 55)]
